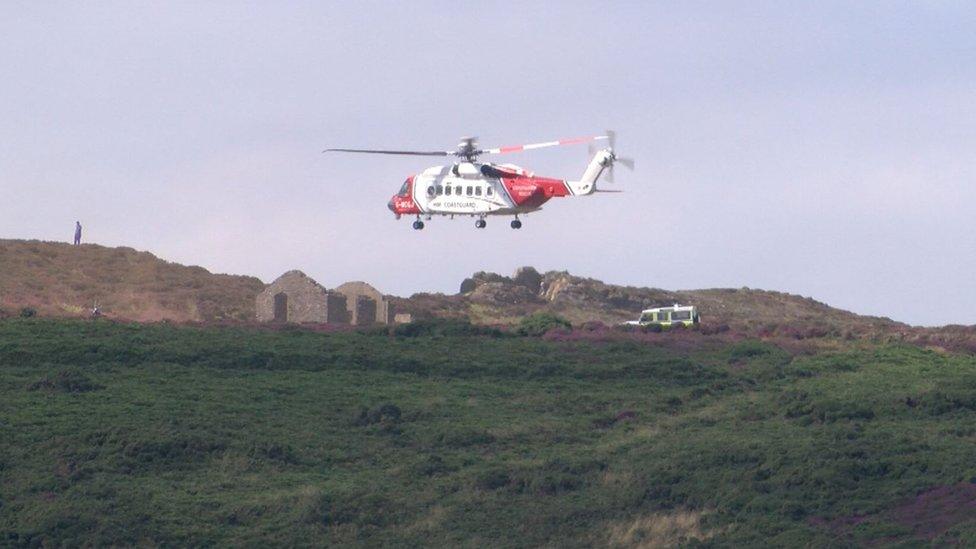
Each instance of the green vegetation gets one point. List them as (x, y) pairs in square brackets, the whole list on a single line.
[(117, 434), (539, 323)]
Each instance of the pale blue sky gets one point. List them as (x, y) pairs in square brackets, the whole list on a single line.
[(819, 148)]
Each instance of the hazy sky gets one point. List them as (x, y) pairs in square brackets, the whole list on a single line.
[(819, 148)]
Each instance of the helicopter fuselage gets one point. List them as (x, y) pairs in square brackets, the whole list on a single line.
[(480, 189), (476, 189)]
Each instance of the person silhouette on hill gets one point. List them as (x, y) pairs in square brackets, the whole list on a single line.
[(77, 233)]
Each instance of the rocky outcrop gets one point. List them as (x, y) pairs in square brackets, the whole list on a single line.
[(563, 288), (505, 293), (528, 278), (582, 299), (495, 289)]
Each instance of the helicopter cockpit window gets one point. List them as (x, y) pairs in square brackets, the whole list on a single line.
[(431, 191), (405, 189)]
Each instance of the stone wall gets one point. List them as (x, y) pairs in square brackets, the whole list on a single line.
[(302, 299), (364, 311), (307, 301), (384, 311)]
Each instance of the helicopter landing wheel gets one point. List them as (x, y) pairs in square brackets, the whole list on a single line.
[(480, 224), (516, 224), (418, 224)]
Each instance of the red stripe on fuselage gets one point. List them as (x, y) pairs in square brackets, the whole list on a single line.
[(532, 192)]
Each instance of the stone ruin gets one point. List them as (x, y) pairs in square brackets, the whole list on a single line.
[(297, 298)]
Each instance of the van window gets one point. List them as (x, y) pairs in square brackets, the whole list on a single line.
[(681, 315), (662, 316)]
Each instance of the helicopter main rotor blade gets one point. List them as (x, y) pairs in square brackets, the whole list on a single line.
[(408, 153), (532, 146)]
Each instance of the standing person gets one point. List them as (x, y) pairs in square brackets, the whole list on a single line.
[(77, 233)]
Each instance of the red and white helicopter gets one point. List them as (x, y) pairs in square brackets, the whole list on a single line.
[(480, 189)]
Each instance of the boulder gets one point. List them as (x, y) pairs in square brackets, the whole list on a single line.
[(529, 278)]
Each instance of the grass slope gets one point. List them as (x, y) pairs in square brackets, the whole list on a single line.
[(138, 434), (57, 279)]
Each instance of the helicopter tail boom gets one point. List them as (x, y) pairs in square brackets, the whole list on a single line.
[(587, 183)]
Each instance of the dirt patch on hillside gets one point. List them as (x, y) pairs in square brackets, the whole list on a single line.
[(658, 530), (928, 516)]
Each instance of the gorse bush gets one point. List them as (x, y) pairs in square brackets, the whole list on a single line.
[(540, 323), (385, 413), (65, 381), (444, 328)]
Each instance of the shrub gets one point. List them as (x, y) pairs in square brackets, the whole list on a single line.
[(463, 439), (65, 381), (593, 326), (712, 329), (281, 453), (747, 350), (493, 479), (28, 312), (540, 323), (434, 465), (444, 327), (386, 413)]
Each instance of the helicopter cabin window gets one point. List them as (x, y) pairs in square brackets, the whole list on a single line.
[(477, 191), (447, 190), (440, 190), (405, 189), (470, 190), (488, 191)]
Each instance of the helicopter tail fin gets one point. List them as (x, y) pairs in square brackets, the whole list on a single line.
[(587, 184)]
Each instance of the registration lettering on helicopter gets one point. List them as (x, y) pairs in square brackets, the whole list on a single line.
[(453, 204)]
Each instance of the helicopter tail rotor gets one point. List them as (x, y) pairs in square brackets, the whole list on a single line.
[(611, 137)]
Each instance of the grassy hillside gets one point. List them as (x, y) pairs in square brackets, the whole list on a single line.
[(153, 434), (58, 279)]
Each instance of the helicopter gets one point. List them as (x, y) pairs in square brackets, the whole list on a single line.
[(482, 189)]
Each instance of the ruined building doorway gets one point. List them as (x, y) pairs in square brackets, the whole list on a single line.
[(281, 307)]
